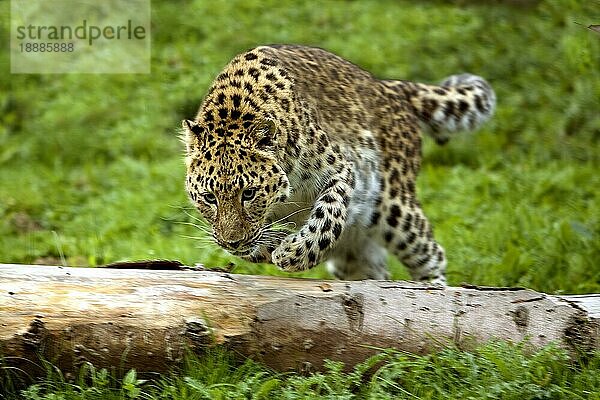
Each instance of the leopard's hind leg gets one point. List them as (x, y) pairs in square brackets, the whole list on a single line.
[(409, 236)]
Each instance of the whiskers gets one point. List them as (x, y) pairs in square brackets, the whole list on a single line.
[(273, 233), (277, 224), (204, 229), (270, 238), (202, 241), (206, 236)]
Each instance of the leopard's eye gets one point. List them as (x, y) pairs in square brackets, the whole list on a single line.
[(248, 194), (209, 198)]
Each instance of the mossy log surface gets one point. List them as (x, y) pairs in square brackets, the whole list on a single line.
[(146, 319)]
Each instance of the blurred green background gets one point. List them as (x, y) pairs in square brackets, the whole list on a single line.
[(91, 166)]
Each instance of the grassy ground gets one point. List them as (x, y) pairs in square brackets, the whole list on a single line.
[(91, 170), (496, 371)]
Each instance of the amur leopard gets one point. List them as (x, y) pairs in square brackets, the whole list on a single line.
[(298, 156)]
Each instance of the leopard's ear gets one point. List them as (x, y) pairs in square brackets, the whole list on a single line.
[(192, 127), (192, 132), (264, 133)]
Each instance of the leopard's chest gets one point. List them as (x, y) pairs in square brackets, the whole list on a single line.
[(306, 189), (367, 188)]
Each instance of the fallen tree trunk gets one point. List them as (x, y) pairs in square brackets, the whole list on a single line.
[(146, 319)]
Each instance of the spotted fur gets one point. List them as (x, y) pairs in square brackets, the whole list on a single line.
[(301, 137)]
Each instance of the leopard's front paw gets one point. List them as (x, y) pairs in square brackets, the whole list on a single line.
[(292, 254)]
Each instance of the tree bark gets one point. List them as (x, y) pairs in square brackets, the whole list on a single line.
[(146, 319)]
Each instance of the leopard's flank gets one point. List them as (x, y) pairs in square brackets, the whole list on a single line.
[(297, 137)]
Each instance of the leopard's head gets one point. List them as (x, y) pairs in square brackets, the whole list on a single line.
[(233, 176)]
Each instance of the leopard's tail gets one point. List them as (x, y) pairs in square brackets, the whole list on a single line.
[(460, 103)]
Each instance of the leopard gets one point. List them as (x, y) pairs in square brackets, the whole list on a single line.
[(299, 157)]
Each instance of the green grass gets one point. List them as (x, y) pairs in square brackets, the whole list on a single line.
[(91, 169), (495, 371)]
